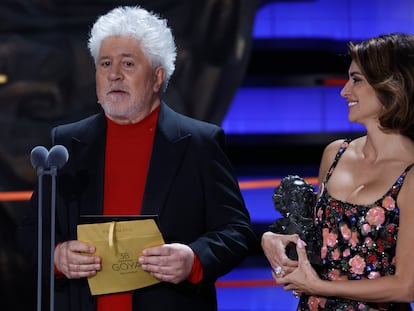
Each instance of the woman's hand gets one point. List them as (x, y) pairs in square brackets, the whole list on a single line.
[(304, 278), (274, 247)]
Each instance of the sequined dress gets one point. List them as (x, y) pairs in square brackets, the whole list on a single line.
[(359, 242)]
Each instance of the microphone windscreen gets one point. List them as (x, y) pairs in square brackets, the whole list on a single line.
[(38, 157), (58, 156)]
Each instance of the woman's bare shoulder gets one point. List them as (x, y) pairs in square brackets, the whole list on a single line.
[(332, 148), (330, 152)]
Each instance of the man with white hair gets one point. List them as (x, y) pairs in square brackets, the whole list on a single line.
[(138, 156)]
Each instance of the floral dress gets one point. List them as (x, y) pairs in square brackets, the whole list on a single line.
[(358, 243)]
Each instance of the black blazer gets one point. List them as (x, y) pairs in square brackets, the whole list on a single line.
[(190, 185)]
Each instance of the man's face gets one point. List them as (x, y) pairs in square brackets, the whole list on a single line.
[(127, 85)]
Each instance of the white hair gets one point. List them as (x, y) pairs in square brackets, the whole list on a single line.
[(149, 29)]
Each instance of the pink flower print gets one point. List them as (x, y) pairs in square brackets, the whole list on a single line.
[(325, 233), (320, 214), (336, 254), (354, 239), (314, 302), (346, 252), (332, 239), (375, 216), (322, 302), (388, 203), (368, 241), (345, 231), (334, 274), (374, 275), (357, 264), (365, 229), (324, 251)]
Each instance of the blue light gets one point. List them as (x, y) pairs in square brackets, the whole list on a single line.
[(342, 20), (286, 110), (316, 108)]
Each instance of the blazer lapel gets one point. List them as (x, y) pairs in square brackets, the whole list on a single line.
[(90, 155), (167, 153)]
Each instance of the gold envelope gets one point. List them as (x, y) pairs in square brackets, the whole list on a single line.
[(119, 244)]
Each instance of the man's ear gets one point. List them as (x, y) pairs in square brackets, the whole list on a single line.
[(159, 77)]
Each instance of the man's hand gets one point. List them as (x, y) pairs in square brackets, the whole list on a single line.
[(169, 262), (74, 260)]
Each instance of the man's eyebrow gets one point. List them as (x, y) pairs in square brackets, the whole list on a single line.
[(128, 54), (122, 54), (103, 57)]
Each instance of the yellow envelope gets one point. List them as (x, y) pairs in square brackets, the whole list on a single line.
[(119, 244)]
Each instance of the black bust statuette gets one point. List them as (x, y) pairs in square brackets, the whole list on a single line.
[(295, 200)]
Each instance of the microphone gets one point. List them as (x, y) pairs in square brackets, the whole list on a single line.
[(38, 158), (47, 163), (57, 157)]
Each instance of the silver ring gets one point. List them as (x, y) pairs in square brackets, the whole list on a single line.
[(278, 271), (296, 293)]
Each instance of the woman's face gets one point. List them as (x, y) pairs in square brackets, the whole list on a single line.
[(363, 103)]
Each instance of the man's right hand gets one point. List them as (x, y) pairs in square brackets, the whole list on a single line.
[(74, 259)]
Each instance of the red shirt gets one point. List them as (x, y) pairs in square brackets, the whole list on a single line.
[(127, 155)]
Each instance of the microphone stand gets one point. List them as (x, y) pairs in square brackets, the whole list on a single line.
[(40, 174), (52, 172)]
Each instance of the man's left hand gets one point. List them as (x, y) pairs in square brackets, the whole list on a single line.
[(169, 262)]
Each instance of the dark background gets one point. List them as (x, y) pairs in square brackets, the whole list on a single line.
[(47, 78)]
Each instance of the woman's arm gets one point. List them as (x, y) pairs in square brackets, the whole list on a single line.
[(398, 287)]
